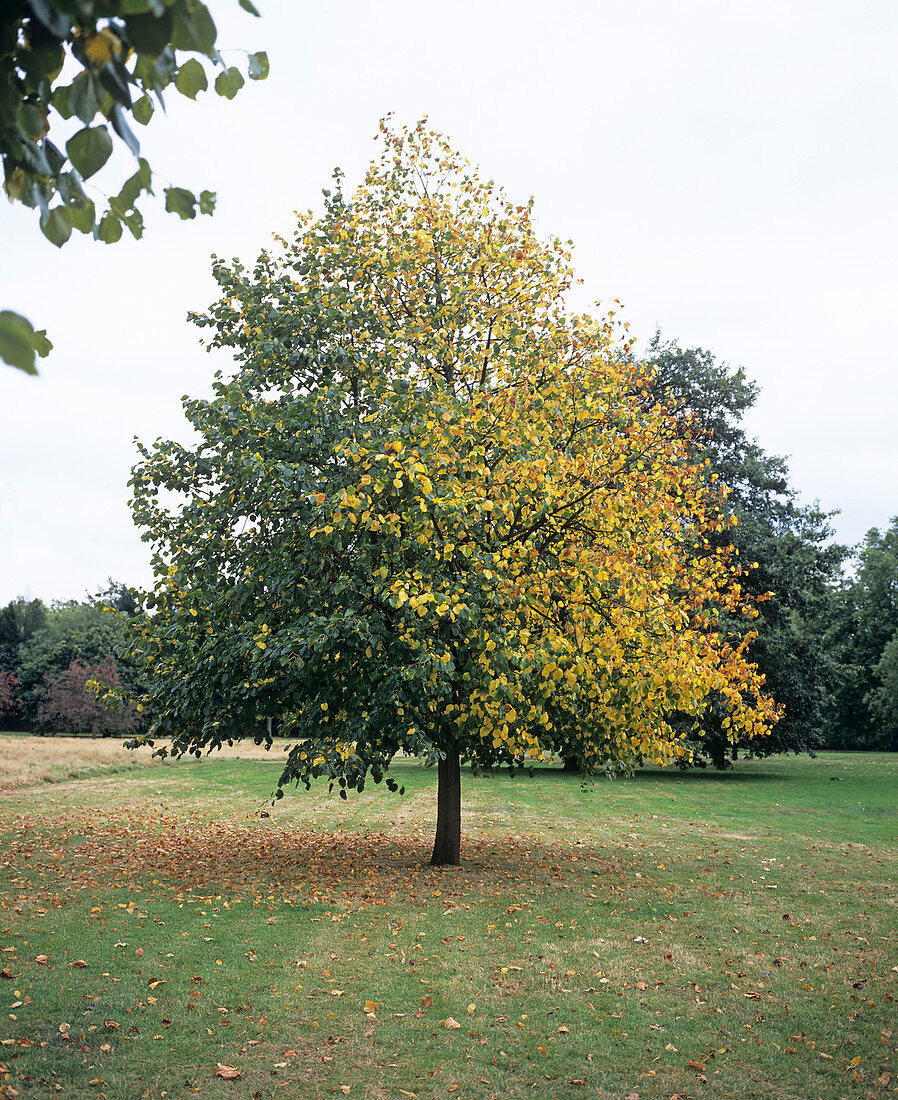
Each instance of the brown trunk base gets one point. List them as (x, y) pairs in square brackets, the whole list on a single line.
[(447, 842)]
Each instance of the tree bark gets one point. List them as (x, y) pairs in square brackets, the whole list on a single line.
[(447, 843)]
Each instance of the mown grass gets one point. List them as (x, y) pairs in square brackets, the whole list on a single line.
[(692, 935)]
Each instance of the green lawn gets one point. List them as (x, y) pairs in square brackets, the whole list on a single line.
[(692, 935)]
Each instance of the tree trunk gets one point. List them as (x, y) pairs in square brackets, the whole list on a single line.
[(447, 844)]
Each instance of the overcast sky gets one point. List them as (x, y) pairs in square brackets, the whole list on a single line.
[(727, 170)]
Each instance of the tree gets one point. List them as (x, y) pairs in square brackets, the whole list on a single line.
[(8, 685), (73, 632), (430, 513), (883, 696), (120, 55), (795, 567), (860, 638), (70, 705)]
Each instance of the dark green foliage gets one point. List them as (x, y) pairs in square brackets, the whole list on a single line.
[(787, 550), (124, 53), (863, 637), (72, 632)]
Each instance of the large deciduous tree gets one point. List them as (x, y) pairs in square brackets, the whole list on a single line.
[(103, 64), (432, 512)]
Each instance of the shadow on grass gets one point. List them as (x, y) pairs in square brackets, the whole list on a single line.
[(730, 777)]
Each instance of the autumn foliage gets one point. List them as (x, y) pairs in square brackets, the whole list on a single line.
[(70, 706), (434, 512)]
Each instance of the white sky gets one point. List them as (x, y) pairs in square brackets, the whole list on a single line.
[(727, 170)]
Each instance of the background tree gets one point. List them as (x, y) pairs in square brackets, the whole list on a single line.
[(8, 688), (72, 632), (77, 60), (431, 512), (19, 619), (69, 706), (861, 639), (795, 565)]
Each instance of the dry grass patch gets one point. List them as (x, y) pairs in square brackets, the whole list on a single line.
[(27, 761)]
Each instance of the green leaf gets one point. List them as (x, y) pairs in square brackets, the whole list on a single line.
[(56, 225), (60, 100), (132, 187), (191, 78), (83, 214), (89, 149), (68, 184), (193, 27), (258, 65), (131, 7), (109, 230), (124, 131), (19, 342), (143, 109), (31, 121), (247, 6), (114, 78), (149, 33), (57, 24), (229, 82), (207, 202), (180, 201), (134, 222), (54, 158), (84, 96)]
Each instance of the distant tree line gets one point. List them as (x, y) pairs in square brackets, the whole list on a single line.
[(48, 656), (827, 632)]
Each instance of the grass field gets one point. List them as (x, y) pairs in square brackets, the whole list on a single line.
[(165, 929)]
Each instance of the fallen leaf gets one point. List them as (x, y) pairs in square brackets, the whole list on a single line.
[(450, 1023), (345, 1089), (41, 958), (700, 1066), (6, 973), (427, 1001), (564, 1030), (153, 982), (138, 951), (97, 1081), (371, 1006), (229, 1073), (78, 962)]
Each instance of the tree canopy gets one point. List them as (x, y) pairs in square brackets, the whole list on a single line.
[(863, 637), (795, 565), (75, 60), (433, 511)]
